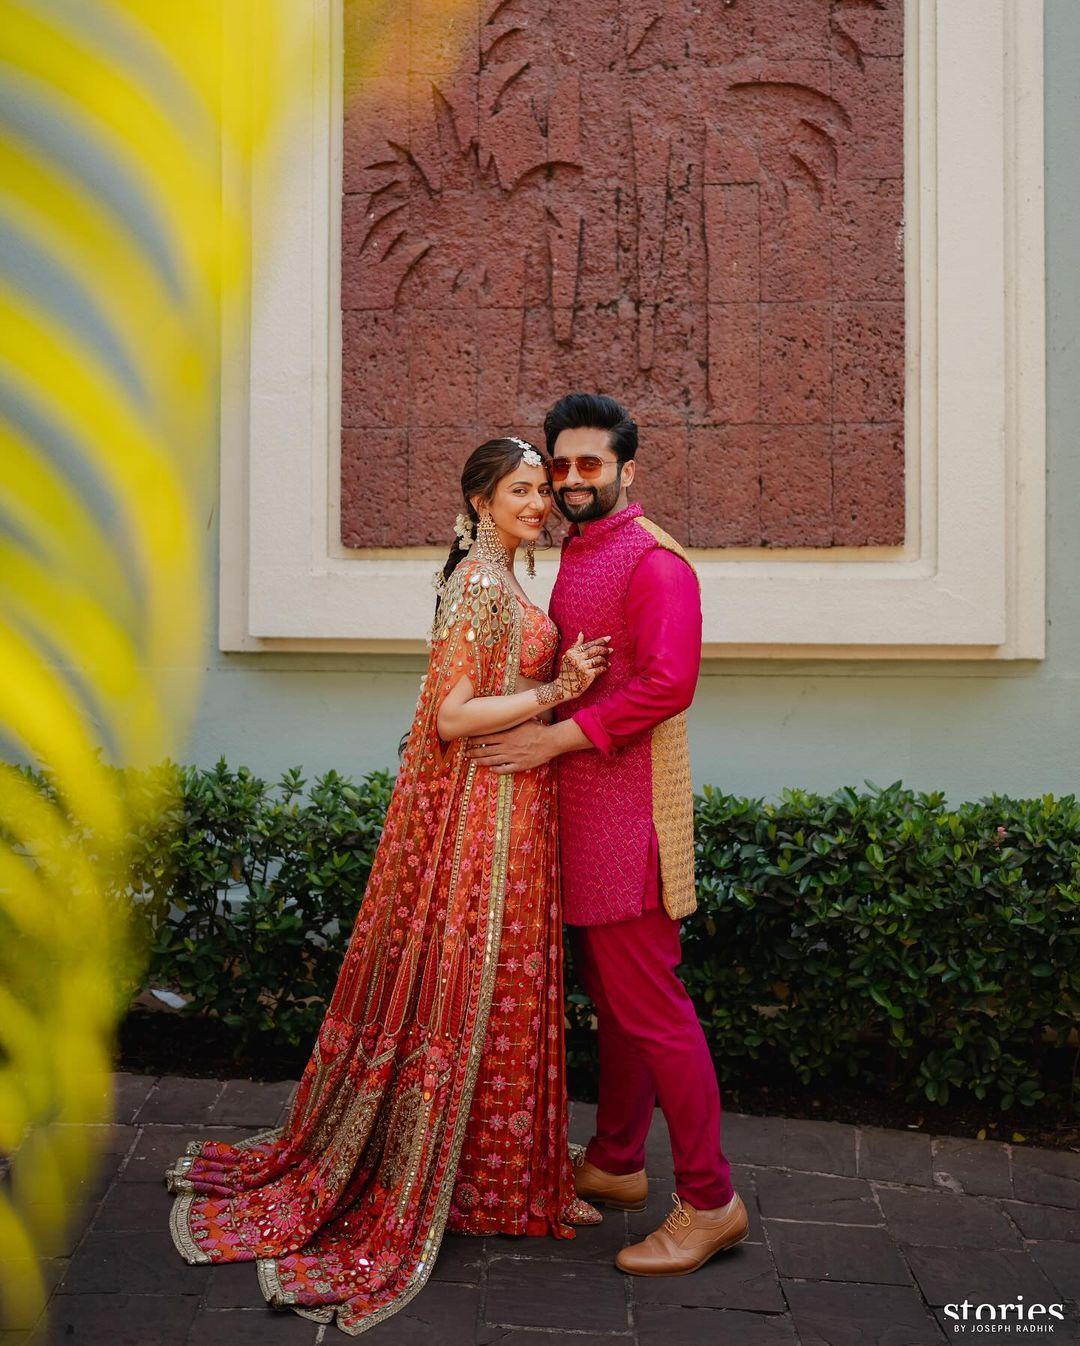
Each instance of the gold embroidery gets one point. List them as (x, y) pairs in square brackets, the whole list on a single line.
[(295, 1122), (340, 1156), (496, 903), (402, 1127), (666, 541), (180, 1215), (493, 616), (180, 1228), (326, 1127), (673, 788), (279, 1298), (673, 815)]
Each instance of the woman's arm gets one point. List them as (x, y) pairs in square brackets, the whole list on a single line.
[(463, 715)]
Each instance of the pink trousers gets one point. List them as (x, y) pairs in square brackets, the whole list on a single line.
[(652, 1050)]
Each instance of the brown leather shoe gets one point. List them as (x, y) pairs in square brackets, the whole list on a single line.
[(686, 1240), (618, 1191)]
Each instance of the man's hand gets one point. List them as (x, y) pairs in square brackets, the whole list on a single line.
[(520, 749)]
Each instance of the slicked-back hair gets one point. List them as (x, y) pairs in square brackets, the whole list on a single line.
[(593, 411)]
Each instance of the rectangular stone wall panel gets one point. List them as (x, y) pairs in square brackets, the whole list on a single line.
[(697, 207)]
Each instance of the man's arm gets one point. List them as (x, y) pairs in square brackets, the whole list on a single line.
[(663, 616), (527, 746)]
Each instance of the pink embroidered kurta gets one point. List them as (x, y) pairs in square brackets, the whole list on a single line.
[(623, 577)]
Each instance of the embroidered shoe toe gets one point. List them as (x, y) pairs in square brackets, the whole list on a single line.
[(619, 1191)]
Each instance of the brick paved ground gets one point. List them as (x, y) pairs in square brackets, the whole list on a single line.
[(859, 1237)]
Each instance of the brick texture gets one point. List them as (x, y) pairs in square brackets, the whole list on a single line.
[(695, 207)]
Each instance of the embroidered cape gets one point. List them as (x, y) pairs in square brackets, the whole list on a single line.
[(344, 1207)]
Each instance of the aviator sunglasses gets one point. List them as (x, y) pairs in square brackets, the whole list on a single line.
[(588, 466)]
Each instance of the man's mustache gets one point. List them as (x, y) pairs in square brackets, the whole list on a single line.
[(560, 494)]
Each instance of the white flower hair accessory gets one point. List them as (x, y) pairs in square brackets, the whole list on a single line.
[(528, 453), (466, 533)]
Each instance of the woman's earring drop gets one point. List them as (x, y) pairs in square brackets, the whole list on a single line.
[(488, 546)]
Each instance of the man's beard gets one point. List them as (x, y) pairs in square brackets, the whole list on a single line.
[(603, 500)]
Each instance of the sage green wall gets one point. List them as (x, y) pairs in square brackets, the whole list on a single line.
[(757, 727)]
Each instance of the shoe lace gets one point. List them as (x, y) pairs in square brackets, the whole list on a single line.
[(678, 1217), (577, 1155)]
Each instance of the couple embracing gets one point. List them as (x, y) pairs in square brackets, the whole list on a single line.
[(545, 778)]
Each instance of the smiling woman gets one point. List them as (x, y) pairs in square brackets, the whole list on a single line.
[(435, 1095), (508, 503)]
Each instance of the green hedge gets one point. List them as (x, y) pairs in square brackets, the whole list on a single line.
[(881, 935), (888, 935), (250, 893)]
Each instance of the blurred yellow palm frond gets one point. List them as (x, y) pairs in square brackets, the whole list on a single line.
[(115, 257)]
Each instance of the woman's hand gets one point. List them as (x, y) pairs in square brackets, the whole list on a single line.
[(581, 665)]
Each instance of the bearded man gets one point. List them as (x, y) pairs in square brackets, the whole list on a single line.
[(626, 837)]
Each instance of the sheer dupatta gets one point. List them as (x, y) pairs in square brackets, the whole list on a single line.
[(345, 1207)]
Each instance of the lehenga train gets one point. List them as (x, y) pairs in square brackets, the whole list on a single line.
[(435, 1095)]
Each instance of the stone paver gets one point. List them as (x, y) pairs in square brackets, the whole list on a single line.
[(945, 1275), (937, 1219), (977, 1167), (860, 1315), (1060, 1262), (819, 1147), (816, 1196), (826, 1252), (121, 1320), (252, 1327), (661, 1325), (176, 1099), (1044, 1222), (586, 1296), (441, 1314), (896, 1156), (247, 1103), (1049, 1177), (857, 1236)]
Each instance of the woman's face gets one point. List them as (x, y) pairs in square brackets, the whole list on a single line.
[(521, 504)]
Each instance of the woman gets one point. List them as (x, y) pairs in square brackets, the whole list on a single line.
[(435, 1095)]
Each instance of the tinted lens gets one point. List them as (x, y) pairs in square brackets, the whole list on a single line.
[(587, 467), (590, 467)]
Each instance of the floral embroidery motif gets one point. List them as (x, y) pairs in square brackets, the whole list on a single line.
[(520, 1124)]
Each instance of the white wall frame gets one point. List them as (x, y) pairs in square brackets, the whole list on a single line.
[(969, 581)]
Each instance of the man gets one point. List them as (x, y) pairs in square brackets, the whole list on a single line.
[(626, 837)]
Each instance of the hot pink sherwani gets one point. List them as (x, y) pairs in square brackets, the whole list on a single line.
[(616, 579), (663, 617)]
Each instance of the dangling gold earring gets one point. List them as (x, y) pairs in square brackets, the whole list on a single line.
[(530, 559), (488, 546)]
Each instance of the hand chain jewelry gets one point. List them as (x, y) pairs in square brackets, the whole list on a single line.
[(570, 681)]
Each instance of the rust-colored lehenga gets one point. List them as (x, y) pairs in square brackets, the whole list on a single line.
[(435, 1095)]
